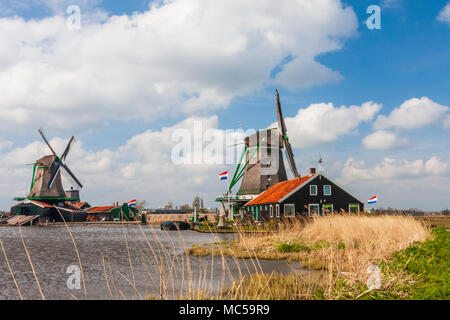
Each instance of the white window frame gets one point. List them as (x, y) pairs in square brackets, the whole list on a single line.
[(313, 204), (310, 190), (327, 204), (271, 211), (277, 210), (349, 211), (289, 205), (326, 185)]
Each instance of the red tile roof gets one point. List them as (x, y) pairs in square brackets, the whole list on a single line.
[(80, 204), (101, 209), (41, 204), (279, 191)]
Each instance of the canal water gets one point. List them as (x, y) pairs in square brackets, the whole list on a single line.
[(118, 262)]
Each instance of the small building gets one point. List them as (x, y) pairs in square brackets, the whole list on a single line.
[(60, 212), (113, 213), (100, 213), (300, 197)]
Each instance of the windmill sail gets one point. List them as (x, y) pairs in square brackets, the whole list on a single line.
[(283, 133), (47, 183), (41, 131), (77, 182)]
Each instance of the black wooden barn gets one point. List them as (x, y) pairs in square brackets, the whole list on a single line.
[(300, 197), (49, 213)]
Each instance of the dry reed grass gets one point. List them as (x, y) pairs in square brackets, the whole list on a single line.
[(341, 246)]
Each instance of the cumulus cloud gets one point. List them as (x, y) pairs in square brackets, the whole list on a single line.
[(323, 122), (141, 168), (5, 144), (393, 169), (412, 114), (447, 122), (400, 183), (444, 15), (384, 140), (292, 75), (178, 56)]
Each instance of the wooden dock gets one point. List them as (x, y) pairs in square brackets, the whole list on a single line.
[(16, 221)]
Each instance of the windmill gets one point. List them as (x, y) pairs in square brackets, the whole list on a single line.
[(264, 165), (46, 183)]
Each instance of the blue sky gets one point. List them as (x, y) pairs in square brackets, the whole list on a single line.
[(396, 66)]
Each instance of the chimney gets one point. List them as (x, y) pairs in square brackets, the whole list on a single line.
[(312, 170)]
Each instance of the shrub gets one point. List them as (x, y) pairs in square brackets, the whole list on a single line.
[(285, 247)]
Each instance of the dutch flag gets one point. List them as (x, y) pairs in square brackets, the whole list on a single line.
[(373, 200), (223, 175), (132, 203)]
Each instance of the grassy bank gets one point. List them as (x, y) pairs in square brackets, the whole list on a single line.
[(413, 261), (344, 243), (420, 272)]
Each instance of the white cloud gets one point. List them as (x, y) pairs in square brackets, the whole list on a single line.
[(179, 56), (323, 123), (444, 15), (141, 168), (412, 114), (382, 140), (5, 144), (393, 169), (436, 166), (293, 74), (400, 183), (447, 122)]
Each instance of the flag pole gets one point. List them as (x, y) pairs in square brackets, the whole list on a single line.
[(228, 194)]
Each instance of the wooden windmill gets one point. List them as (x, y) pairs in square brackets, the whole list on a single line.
[(264, 161), (46, 184)]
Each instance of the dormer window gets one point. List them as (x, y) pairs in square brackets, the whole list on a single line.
[(313, 190)]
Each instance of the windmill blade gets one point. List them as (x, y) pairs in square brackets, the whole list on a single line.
[(72, 175), (281, 124), (284, 136), (54, 170), (41, 131), (64, 155), (291, 159)]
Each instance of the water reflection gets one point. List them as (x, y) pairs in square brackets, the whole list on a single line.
[(151, 265)]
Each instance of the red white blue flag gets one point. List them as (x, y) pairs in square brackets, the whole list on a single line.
[(373, 200), (223, 175), (132, 203)]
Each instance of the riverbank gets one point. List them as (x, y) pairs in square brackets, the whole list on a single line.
[(347, 251)]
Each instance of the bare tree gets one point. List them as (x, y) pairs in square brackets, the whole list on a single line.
[(185, 207), (169, 205), (196, 203)]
